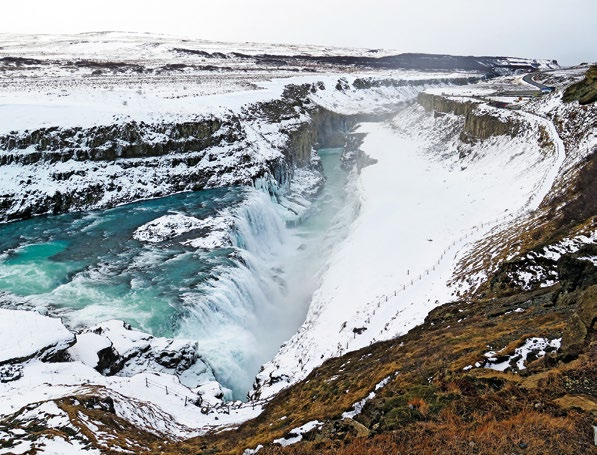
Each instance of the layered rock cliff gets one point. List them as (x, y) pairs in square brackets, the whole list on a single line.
[(57, 169), (479, 124)]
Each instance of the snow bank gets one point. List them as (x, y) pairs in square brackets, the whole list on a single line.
[(87, 347), (26, 334), (172, 225)]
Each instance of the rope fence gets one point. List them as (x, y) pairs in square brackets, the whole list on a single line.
[(197, 400), (524, 210), (372, 306), (206, 408), (384, 298)]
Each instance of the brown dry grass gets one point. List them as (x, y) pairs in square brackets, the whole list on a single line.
[(430, 405), (527, 432)]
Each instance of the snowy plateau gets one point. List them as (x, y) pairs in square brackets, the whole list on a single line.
[(444, 165)]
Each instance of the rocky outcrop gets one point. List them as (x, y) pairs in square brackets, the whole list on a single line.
[(27, 335), (133, 352), (506, 280), (115, 348), (446, 105), (585, 91), (353, 156), (108, 184), (479, 124), (581, 323), (575, 271), (319, 128), (416, 61), (59, 170), (300, 145)]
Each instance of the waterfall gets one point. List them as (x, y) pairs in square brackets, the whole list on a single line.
[(237, 315), (226, 267)]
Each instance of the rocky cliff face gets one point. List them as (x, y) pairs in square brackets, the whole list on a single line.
[(90, 168), (110, 142), (58, 170), (478, 124), (444, 104)]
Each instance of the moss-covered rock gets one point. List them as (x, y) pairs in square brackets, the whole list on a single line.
[(587, 308), (576, 272), (573, 338), (585, 91), (580, 324)]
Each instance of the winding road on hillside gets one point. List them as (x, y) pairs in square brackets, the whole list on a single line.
[(528, 78)]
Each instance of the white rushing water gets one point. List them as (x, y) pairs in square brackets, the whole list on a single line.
[(243, 315)]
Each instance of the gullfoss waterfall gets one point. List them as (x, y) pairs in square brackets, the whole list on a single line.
[(221, 267)]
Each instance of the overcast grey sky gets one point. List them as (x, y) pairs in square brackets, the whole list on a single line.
[(560, 29)]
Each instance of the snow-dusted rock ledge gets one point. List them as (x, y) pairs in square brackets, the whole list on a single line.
[(41, 361), (112, 348), (27, 334), (115, 348)]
